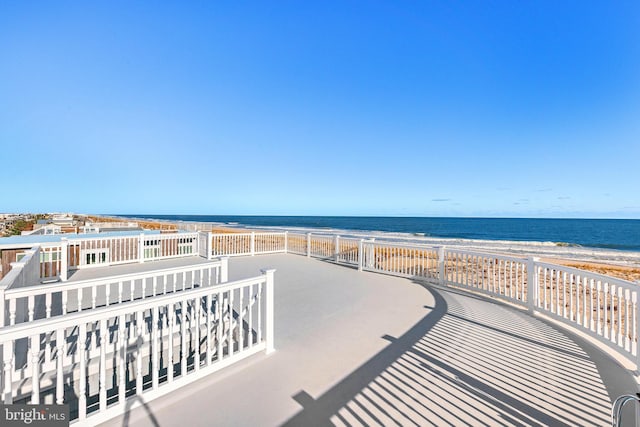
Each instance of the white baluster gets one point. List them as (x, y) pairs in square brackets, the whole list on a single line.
[(140, 345), (230, 320), (35, 365), (107, 291), (103, 368), (196, 353), (48, 305), (155, 347), (620, 309), (627, 315), (208, 323), (240, 320), (12, 311), (219, 325), (250, 316), (8, 368), (183, 338), (605, 304), (31, 309), (259, 302), (79, 293), (60, 350), (122, 359), (82, 399), (599, 313), (171, 313)]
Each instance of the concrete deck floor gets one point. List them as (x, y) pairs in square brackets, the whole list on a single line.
[(367, 349)]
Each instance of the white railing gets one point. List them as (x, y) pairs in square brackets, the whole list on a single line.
[(605, 307), (110, 359), (297, 243), (235, 244), (22, 273), (162, 246), (204, 240), (400, 259), (26, 304), (96, 251), (497, 275)]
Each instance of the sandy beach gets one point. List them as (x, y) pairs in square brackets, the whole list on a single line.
[(620, 264)]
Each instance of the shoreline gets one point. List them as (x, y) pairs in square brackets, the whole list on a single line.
[(615, 263)]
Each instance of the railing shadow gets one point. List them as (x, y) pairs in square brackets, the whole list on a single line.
[(463, 365)]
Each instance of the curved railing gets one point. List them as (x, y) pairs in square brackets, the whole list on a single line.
[(604, 307)]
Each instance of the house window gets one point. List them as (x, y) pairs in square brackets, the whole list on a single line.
[(96, 256)]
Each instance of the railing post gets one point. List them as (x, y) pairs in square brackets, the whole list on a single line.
[(336, 248), (253, 243), (141, 248), (370, 252), (224, 269), (64, 259), (441, 265), (532, 283), (8, 363), (360, 254), (286, 242), (269, 310), (308, 245), (636, 301), (209, 248), (2, 306)]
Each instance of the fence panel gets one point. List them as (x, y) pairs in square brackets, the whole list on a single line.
[(96, 361), (401, 259)]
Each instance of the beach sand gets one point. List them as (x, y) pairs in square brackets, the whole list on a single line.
[(629, 273), (632, 274)]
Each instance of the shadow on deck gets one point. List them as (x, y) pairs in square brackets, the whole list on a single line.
[(358, 349)]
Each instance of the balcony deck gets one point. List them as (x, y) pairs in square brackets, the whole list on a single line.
[(359, 348)]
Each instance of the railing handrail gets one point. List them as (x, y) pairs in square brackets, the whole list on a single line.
[(589, 274), (21, 330), (76, 238), (65, 286), (487, 254), (257, 234)]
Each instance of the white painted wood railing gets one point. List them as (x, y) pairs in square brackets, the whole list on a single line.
[(107, 360), (501, 276), (236, 244), (57, 259), (400, 259), (602, 306), (25, 304), (87, 252)]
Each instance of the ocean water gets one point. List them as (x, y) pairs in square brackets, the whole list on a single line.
[(617, 234)]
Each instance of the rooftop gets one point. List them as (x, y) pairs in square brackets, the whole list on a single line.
[(360, 348)]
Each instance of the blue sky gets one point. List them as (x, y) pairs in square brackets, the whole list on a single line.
[(484, 108)]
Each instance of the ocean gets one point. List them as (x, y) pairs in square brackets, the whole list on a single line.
[(617, 234)]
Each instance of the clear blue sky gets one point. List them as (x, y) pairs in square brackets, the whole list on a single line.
[(449, 108)]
